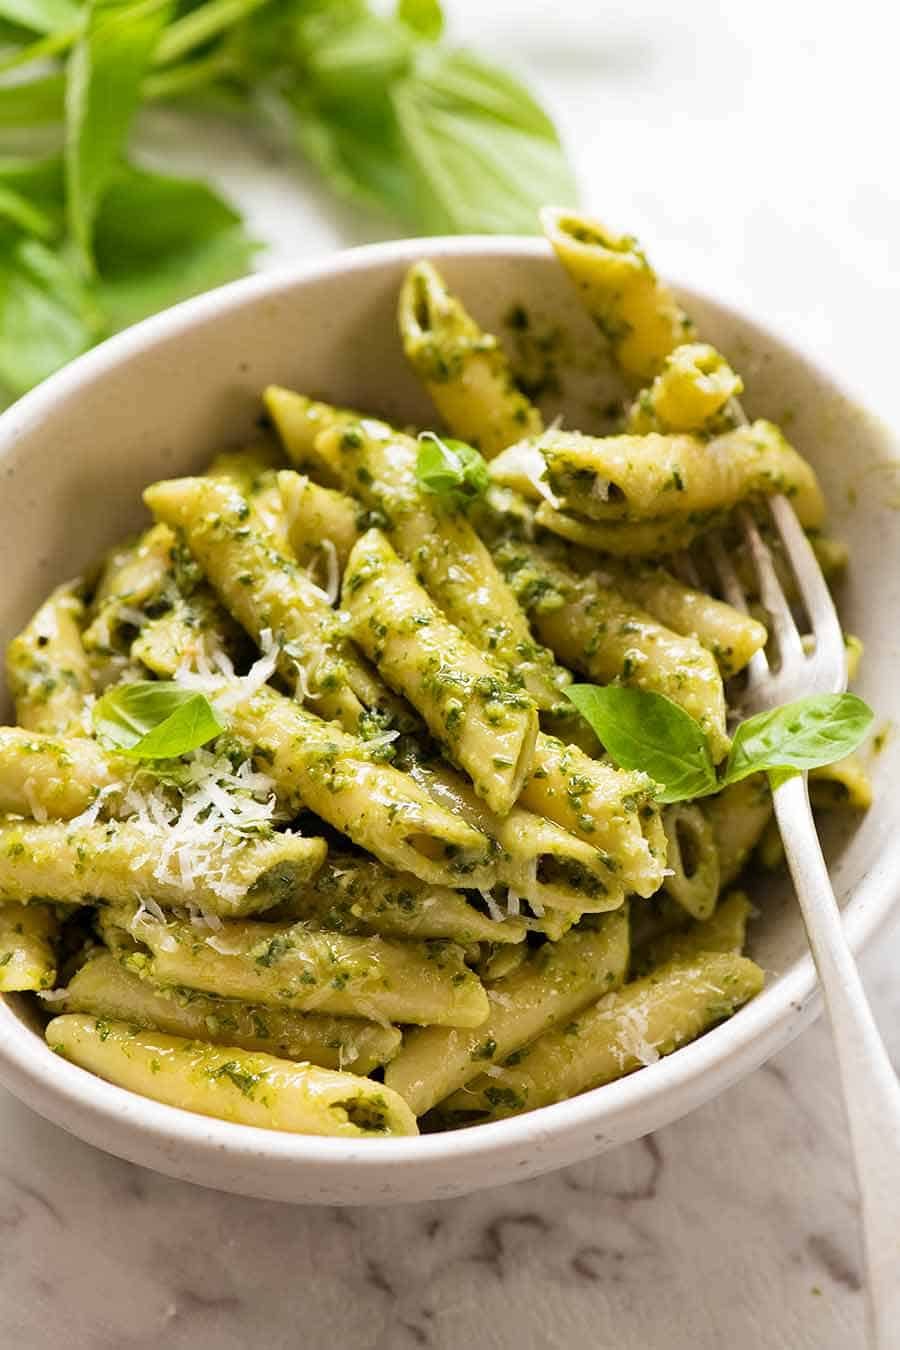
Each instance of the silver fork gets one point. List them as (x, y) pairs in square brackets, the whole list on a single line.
[(871, 1090)]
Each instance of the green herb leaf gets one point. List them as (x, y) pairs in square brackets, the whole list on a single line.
[(41, 16), (201, 25), (483, 154), (450, 469), (103, 91), (424, 17), (647, 731), (391, 118), (159, 240), (32, 103), (47, 316), (802, 735), (16, 210), (156, 719)]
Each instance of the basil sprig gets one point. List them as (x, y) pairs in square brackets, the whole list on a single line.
[(647, 731), (394, 116), (450, 469), (155, 719)]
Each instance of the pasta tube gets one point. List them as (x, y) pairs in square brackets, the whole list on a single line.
[(228, 1082), (732, 637), (592, 628), (609, 808), (190, 632), (465, 370), (378, 465), (739, 815), (498, 962), (645, 1020), (358, 895), (133, 576), (47, 668), (636, 313), (253, 472), (626, 539), (315, 764), (114, 861), (27, 954), (321, 524), (557, 981), (291, 966), (105, 988), (724, 931), (842, 784), (46, 776), (486, 726), (538, 860), (689, 394), (264, 589), (692, 858), (654, 477)]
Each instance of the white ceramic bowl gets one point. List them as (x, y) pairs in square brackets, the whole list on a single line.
[(157, 401)]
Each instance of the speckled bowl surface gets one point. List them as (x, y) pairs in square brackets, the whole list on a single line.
[(160, 398)]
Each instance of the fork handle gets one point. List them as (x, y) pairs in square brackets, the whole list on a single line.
[(870, 1087)]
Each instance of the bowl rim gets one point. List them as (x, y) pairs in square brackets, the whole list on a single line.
[(783, 1009)]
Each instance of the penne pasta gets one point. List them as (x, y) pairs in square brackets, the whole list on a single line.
[(116, 860), (309, 970), (465, 370), (624, 1031), (105, 988), (485, 724), (229, 1082), (553, 985), (47, 668)]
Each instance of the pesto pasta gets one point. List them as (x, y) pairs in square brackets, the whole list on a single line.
[(300, 812)]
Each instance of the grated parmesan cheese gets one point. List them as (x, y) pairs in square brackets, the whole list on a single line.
[(632, 1037), (204, 820), (332, 587), (493, 908), (37, 808), (90, 814)]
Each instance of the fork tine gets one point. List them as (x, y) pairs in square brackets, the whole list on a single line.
[(813, 588), (772, 596), (685, 569), (732, 589), (757, 668)]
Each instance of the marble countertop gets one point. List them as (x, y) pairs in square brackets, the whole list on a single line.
[(744, 145)]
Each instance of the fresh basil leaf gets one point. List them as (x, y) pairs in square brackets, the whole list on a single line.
[(43, 48), (39, 178), (158, 240), (462, 79), (156, 719), (47, 316), (484, 156), (803, 735), (20, 213), (450, 469), (201, 25), (359, 60), (647, 731), (32, 103), (105, 70), (362, 158), (424, 17), (41, 16)]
